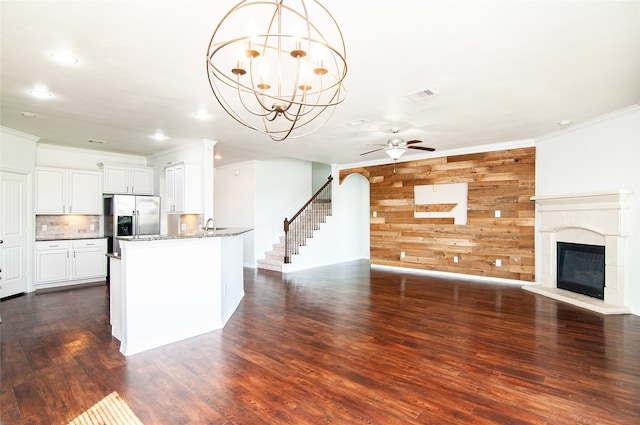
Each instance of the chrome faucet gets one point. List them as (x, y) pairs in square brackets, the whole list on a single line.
[(208, 227)]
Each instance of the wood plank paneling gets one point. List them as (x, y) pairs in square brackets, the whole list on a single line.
[(499, 180)]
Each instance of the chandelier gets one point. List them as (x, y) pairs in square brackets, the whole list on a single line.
[(278, 66)]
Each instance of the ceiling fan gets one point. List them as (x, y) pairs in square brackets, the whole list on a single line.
[(396, 146)]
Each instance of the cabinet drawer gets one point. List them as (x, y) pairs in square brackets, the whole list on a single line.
[(44, 246), (90, 243)]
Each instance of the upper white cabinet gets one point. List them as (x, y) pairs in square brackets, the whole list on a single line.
[(184, 188), (68, 191), (136, 180)]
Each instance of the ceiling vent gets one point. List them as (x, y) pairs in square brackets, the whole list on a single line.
[(100, 142), (421, 95), (358, 122)]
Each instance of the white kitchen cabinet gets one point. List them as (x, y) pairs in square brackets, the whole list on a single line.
[(184, 188), (68, 191), (135, 180), (70, 262), (52, 261)]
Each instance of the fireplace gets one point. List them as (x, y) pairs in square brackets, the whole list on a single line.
[(594, 227), (580, 268)]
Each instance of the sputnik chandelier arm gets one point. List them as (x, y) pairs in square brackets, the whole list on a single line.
[(275, 70)]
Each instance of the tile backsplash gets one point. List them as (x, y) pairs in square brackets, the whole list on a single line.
[(68, 226), (182, 224)]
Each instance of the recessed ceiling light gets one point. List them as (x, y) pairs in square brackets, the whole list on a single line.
[(159, 136), (40, 94), (64, 57), (202, 115), (28, 114)]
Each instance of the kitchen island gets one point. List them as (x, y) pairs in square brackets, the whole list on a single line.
[(165, 289)]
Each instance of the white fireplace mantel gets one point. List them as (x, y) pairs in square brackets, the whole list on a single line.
[(596, 218)]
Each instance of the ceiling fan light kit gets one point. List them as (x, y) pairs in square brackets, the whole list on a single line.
[(278, 66), (396, 146), (395, 152)]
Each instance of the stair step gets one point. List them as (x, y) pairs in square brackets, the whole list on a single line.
[(304, 228), (268, 265)]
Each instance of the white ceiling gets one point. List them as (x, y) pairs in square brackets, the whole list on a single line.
[(503, 70)]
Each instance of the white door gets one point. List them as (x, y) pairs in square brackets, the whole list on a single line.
[(13, 233)]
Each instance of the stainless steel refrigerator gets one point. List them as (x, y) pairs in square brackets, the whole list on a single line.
[(130, 216)]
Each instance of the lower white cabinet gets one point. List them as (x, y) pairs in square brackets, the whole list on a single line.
[(68, 262)]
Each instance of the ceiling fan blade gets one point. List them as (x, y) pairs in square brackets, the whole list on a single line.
[(410, 142), (375, 150), (421, 148)]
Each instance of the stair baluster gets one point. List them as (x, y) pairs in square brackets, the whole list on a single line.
[(306, 220)]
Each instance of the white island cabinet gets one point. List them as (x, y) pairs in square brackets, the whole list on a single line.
[(166, 289)]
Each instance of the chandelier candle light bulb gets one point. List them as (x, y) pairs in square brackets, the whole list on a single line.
[(298, 106)]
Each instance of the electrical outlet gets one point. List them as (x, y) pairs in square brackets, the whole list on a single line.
[(498, 263), (375, 213), (402, 254), (455, 259), (183, 226), (498, 213), (92, 226), (44, 227)]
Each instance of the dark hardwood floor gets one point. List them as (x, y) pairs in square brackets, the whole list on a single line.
[(342, 344)]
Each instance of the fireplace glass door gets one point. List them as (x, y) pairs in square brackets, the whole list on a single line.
[(581, 269)]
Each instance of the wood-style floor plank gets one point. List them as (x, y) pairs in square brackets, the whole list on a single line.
[(343, 344)]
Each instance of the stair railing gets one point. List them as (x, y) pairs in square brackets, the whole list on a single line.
[(305, 221)]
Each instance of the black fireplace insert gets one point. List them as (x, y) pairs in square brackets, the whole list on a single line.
[(581, 268)]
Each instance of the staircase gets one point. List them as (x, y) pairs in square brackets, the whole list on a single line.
[(299, 229)]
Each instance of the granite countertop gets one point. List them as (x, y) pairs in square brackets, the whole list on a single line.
[(221, 232), (67, 238)]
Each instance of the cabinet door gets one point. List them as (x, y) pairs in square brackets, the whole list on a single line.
[(178, 187), (51, 194), (141, 181), (116, 179), (89, 262), (52, 266), (170, 202), (85, 196), (192, 193)]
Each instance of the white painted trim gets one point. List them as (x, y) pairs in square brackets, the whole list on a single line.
[(588, 123), (491, 147), (87, 151), (180, 148), (237, 164), (20, 133)]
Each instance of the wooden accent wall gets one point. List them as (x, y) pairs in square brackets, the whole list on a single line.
[(500, 180)]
